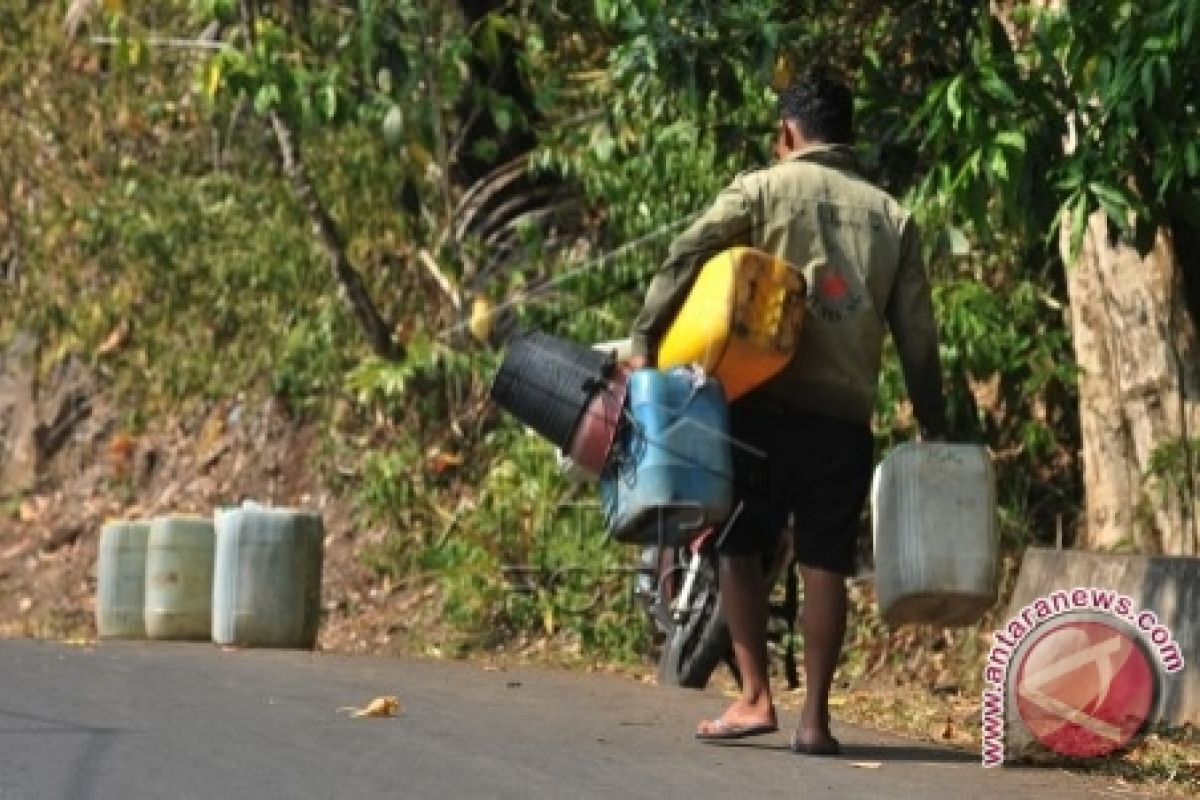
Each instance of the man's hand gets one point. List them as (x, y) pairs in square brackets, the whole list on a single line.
[(636, 363)]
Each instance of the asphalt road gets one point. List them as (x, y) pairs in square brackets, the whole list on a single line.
[(191, 721)]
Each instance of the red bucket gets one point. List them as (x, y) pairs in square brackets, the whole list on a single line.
[(593, 440)]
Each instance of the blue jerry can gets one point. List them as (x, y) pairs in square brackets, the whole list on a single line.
[(672, 472)]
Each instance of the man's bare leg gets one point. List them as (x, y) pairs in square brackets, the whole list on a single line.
[(744, 605), (824, 627)]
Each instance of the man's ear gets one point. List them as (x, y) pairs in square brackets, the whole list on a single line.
[(791, 138), (783, 139)]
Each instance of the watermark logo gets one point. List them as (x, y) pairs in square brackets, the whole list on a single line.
[(1081, 669), (1086, 687)]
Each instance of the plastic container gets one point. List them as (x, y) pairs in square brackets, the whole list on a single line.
[(267, 577), (179, 578), (547, 383), (936, 536), (671, 473), (121, 580), (741, 320), (597, 431)]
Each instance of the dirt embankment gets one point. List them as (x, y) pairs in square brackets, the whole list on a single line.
[(69, 461)]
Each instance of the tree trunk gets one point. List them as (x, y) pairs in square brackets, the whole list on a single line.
[(1136, 345), (348, 278), (349, 281), (1139, 391)]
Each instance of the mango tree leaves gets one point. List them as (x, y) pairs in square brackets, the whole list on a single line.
[(1123, 77)]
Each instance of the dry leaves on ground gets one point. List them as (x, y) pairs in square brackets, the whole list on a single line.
[(386, 706)]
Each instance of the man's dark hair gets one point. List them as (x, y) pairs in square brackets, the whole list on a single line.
[(821, 106)]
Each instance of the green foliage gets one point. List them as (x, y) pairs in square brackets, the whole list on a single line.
[(1118, 79), (525, 555), (431, 381), (266, 73), (406, 70), (1174, 468), (190, 271), (1016, 337), (1011, 384), (1010, 363), (161, 249), (311, 357), (686, 100), (169, 211)]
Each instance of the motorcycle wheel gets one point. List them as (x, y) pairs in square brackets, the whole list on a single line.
[(699, 642)]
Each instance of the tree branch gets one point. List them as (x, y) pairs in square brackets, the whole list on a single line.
[(377, 331), (444, 283)]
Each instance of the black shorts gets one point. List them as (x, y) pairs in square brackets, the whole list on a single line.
[(795, 462)]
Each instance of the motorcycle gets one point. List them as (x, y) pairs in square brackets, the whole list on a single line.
[(680, 589)]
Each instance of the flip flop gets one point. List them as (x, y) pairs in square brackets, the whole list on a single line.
[(834, 748), (722, 731)]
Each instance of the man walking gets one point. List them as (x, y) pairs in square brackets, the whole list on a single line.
[(802, 441)]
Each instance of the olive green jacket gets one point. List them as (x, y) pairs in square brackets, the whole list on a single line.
[(860, 253)]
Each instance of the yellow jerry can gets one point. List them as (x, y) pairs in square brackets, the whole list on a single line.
[(741, 320)]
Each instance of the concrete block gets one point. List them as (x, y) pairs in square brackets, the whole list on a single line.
[(1168, 586)]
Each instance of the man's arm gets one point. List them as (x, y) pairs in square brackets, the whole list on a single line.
[(726, 223), (910, 317)]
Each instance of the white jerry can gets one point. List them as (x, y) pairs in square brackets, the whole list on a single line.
[(267, 577), (121, 580), (179, 573), (933, 510)]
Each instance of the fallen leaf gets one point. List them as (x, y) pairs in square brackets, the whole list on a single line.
[(866, 764), (837, 702), (386, 706)]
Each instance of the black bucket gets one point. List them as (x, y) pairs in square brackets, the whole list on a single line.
[(547, 383)]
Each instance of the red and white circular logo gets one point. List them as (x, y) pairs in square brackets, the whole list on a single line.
[(1086, 686), (833, 296)]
